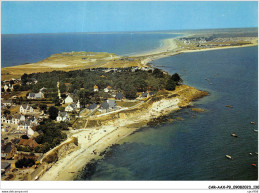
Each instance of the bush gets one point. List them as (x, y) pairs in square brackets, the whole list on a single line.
[(176, 78), (6, 112), (24, 163), (24, 148), (170, 85), (24, 137), (53, 112)]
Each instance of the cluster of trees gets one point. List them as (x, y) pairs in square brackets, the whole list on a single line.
[(51, 135), (24, 148), (53, 112), (81, 82), (6, 112), (173, 82), (18, 87), (24, 163), (18, 100)]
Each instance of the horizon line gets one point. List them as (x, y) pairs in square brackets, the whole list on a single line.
[(114, 32)]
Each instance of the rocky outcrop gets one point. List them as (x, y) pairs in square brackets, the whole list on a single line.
[(155, 107)]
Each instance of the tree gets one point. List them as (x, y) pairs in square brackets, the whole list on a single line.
[(170, 85), (16, 87), (56, 101), (176, 78), (24, 78), (6, 112), (34, 106), (11, 82), (62, 87), (43, 107), (20, 99), (62, 126), (53, 112), (51, 134), (158, 73), (83, 96), (24, 137), (141, 85), (24, 163), (130, 92)]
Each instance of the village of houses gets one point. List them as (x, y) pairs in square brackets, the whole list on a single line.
[(18, 122)]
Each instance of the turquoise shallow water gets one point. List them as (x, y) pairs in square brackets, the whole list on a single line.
[(195, 148), (29, 48)]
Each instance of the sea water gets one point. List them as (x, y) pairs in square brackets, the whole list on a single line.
[(194, 148), (28, 48), (191, 149)]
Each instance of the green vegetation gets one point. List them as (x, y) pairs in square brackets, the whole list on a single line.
[(24, 148), (24, 163), (53, 112), (173, 81), (81, 82), (6, 112), (51, 135), (24, 137)]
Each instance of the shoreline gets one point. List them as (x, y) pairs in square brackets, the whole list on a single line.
[(172, 50), (70, 167), (167, 45), (108, 60), (112, 131), (67, 168)]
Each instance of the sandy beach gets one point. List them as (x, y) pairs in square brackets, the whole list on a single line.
[(170, 48), (167, 45), (95, 140), (255, 43)]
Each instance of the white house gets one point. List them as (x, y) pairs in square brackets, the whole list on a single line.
[(7, 103), (25, 108), (22, 118), (35, 95), (3, 118), (95, 88), (62, 116), (70, 108), (4, 129), (30, 132), (68, 100), (43, 89), (6, 87), (17, 118), (78, 105), (24, 125), (32, 120), (9, 120), (10, 86), (108, 89)]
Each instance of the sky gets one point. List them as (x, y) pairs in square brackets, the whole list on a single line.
[(119, 16)]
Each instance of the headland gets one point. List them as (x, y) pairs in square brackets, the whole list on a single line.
[(66, 161), (111, 128), (189, 41)]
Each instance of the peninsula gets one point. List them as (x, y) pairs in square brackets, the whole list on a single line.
[(74, 105), (188, 41)]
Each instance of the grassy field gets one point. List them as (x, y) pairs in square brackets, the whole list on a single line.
[(70, 61), (126, 104)]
